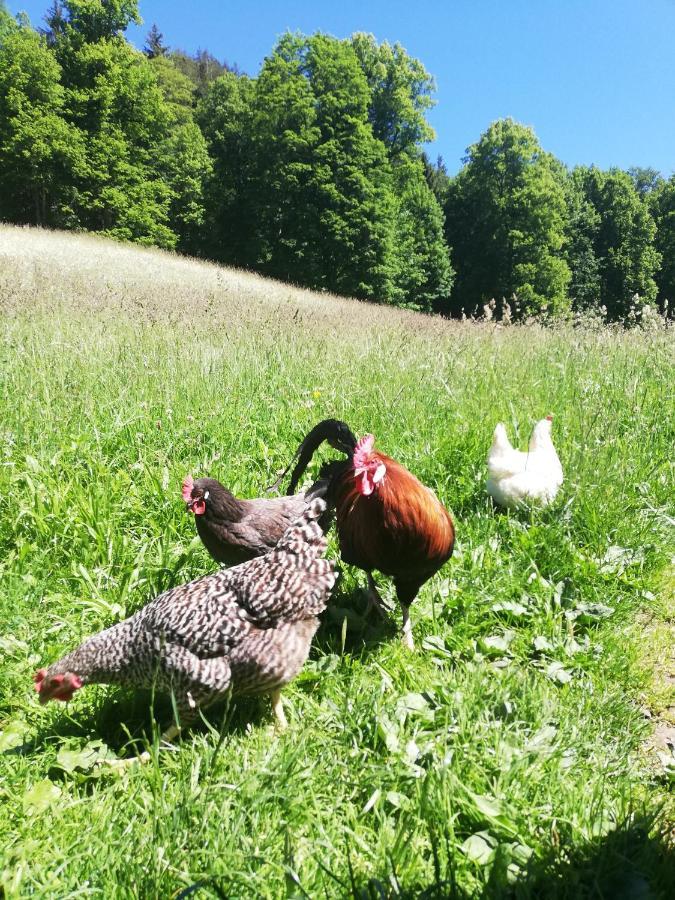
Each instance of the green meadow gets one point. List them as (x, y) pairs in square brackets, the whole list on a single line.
[(520, 751)]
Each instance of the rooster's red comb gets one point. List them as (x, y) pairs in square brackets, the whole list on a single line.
[(363, 449), (549, 418), (188, 484)]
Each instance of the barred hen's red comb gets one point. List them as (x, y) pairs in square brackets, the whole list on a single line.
[(188, 485), (38, 678)]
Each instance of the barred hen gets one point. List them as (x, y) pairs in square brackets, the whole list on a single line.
[(247, 630), (233, 530), (386, 519)]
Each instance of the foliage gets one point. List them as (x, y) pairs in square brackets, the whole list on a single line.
[(93, 20), (504, 758), (505, 222), (624, 241), (40, 153), (400, 94), (437, 178), (663, 209), (7, 23), (202, 68), (314, 172), (154, 43), (425, 275), (582, 226)]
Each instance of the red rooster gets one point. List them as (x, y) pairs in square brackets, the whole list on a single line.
[(386, 518)]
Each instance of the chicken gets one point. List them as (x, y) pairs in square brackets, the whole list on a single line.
[(234, 531), (386, 519), (515, 478), (246, 629)]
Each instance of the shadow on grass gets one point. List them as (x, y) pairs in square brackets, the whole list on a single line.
[(635, 861), (127, 721)]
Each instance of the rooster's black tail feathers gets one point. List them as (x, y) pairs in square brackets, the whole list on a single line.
[(338, 434)]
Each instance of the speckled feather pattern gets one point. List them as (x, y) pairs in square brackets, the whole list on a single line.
[(248, 628)]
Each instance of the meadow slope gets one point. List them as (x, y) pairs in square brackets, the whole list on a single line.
[(505, 757)]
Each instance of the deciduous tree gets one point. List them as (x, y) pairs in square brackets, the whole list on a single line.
[(505, 222)]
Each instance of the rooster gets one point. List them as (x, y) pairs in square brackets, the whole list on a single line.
[(516, 478), (386, 519), (233, 530), (247, 629)]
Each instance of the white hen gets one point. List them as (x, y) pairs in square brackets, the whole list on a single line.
[(515, 477)]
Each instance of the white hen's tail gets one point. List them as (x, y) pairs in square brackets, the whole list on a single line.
[(503, 460)]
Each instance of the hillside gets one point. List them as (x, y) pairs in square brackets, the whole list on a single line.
[(504, 757)]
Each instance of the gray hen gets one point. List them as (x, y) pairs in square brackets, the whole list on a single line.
[(247, 629), (235, 530)]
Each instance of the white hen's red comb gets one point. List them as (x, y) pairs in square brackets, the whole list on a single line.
[(188, 485)]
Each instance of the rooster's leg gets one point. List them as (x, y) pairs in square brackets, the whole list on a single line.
[(407, 636), (278, 709), (375, 601)]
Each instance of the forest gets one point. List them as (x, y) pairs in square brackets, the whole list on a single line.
[(314, 172)]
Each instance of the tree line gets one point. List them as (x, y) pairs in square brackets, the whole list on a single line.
[(314, 172)]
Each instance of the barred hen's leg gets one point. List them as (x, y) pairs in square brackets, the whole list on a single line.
[(196, 684), (278, 709)]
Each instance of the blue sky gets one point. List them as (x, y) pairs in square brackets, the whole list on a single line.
[(594, 78)]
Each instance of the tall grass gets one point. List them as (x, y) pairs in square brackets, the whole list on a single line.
[(502, 758)]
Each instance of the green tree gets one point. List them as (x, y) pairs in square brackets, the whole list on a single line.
[(645, 179), (400, 94), (92, 20), (505, 222), (7, 23), (202, 68), (40, 153), (624, 242), (437, 177), (225, 115), (424, 276), (583, 223), (154, 43), (302, 189), (663, 207)]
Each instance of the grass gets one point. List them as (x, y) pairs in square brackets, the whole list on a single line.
[(504, 758)]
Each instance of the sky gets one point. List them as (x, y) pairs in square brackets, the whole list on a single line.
[(594, 78)]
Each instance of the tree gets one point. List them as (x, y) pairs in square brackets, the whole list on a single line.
[(154, 44), (624, 241), (92, 20), (225, 117), (645, 179), (40, 152), (663, 207), (302, 190), (7, 23), (437, 177), (400, 94), (202, 68), (179, 92), (505, 222), (583, 223), (424, 276)]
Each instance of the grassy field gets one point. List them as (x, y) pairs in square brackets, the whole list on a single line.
[(514, 754)]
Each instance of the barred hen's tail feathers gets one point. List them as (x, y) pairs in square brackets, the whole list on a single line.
[(293, 581), (304, 535)]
